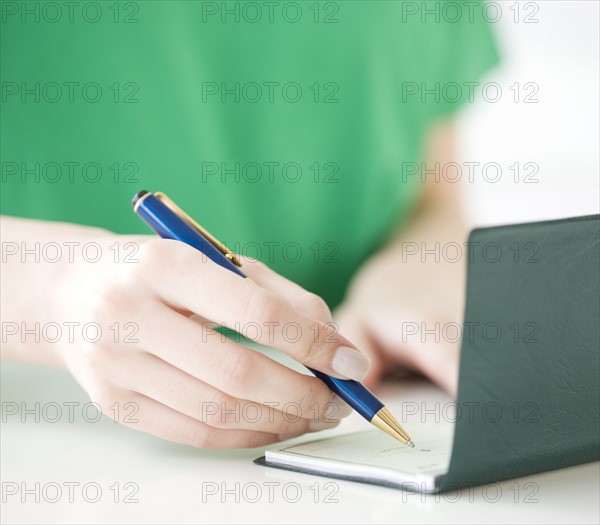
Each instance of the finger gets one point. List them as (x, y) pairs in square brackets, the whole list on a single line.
[(158, 380), (305, 302), (238, 371), (155, 418), (237, 302), (406, 345)]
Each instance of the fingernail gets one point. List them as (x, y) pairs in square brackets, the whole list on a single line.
[(322, 425), (285, 437), (350, 363)]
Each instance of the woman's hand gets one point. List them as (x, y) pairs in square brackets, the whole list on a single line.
[(396, 337), (159, 350), (404, 309)]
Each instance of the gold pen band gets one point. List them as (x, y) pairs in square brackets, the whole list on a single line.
[(191, 222)]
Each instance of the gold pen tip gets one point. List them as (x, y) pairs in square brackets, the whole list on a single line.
[(410, 444), (383, 420)]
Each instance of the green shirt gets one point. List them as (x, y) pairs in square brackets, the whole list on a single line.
[(285, 131)]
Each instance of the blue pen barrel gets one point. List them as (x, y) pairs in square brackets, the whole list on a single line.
[(358, 396), (166, 223)]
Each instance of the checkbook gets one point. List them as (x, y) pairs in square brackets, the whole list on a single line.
[(529, 365)]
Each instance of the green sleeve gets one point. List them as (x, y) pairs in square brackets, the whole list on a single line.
[(463, 51)]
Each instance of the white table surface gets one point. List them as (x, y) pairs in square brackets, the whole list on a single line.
[(170, 478)]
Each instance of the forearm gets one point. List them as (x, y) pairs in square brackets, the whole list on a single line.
[(427, 253)]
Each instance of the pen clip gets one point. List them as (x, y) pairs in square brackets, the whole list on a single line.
[(191, 222)]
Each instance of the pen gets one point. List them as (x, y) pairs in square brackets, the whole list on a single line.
[(169, 221)]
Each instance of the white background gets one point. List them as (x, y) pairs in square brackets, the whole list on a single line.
[(559, 133)]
